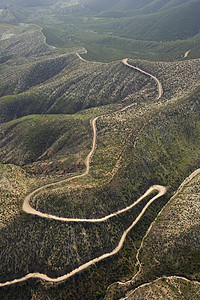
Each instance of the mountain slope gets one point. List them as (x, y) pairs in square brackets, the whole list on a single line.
[(171, 24), (45, 145), (110, 32), (147, 6), (78, 85), (173, 247), (137, 139), (25, 3), (165, 151)]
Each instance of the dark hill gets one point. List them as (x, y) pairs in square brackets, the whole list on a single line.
[(169, 22), (147, 6)]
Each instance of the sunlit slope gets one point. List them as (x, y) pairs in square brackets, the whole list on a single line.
[(78, 85), (23, 40), (154, 141), (177, 230), (172, 247), (167, 288), (46, 145), (166, 151)]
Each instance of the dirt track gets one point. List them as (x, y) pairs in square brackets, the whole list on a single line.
[(160, 89), (28, 209)]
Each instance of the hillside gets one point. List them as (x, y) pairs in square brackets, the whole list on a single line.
[(170, 171), (29, 3), (146, 20), (64, 84), (184, 212), (46, 145), (154, 158), (112, 30), (167, 288), (92, 152), (176, 23), (172, 247), (137, 7)]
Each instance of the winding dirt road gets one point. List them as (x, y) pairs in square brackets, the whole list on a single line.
[(26, 205), (161, 191), (28, 209), (128, 282), (160, 89)]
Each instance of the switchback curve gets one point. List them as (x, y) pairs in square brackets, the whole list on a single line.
[(161, 191), (28, 209)]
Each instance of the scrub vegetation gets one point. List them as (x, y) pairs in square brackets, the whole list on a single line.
[(48, 97)]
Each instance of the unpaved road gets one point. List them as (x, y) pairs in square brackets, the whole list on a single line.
[(28, 209), (26, 205), (161, 191), (160, 89), (187, 53), (80, 57), (128, 282), (130, 294)]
